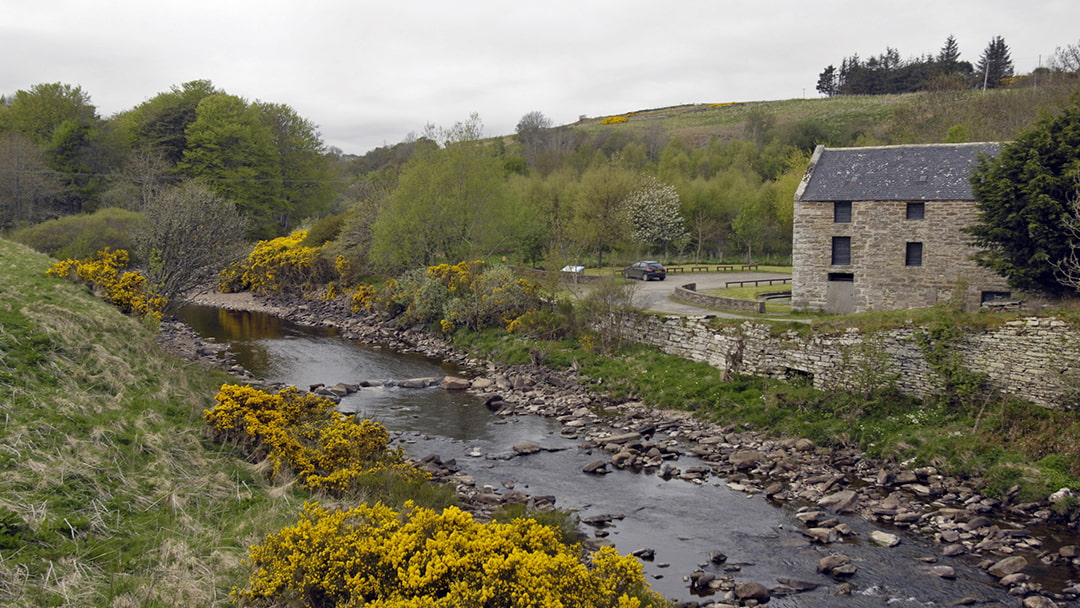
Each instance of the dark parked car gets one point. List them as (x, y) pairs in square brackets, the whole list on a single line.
[(645, 270)]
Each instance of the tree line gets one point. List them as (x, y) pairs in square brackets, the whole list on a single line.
[(888, 73), (59, 157), (151, 178)]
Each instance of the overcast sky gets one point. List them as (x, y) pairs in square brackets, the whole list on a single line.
[(369, 73)]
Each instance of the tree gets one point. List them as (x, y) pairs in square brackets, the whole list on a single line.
[(187, 236), (305, 189), (1066, 59), (161, 123), (655, 216), (28, 187), (142, 177), (532, 131), (995, 64), (39, 112), (450, 203), (949, 55), (231, 150), (1022, 197), (749, 226), (600, 220), (827, 81)]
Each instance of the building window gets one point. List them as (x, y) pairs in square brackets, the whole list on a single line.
[(913, 256), (989, 298), (841, 212), (841, 250), (916, 211)]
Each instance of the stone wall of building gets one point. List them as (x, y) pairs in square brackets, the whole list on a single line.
[(1031, 358), (879, 234)]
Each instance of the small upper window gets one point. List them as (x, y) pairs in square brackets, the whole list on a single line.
[(841, 212), (916, 211), (913, 255)]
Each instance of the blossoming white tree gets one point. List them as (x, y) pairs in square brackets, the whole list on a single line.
[(655, 215)]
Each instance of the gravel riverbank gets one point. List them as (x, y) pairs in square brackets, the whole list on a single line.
[(1002, 536)]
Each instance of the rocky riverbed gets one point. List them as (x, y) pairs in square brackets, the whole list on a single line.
[(822, 485)]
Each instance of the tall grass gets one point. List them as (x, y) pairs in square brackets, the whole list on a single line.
[(109, 494)]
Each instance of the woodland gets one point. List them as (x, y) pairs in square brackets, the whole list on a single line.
[(691, 182)]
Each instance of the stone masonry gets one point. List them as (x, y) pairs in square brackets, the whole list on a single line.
[(879, 233), (1036, 359), (882, 203)]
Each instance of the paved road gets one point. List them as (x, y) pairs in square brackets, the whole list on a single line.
[(656, 295)]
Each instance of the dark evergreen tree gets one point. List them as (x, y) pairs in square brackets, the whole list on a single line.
[(827, 83), (1023, 197), (949, 55), (995, 64)]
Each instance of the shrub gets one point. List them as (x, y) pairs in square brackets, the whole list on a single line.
[(277, 265), (129, 291), (374, 556), (467, 294), (81, 236), (325, 230), (301, 434), (613, 120)]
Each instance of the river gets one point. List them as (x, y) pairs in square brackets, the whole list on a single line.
[(682, 521)]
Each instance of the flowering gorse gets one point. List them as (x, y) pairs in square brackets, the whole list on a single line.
[(373, 556), (129, 291), (301, 434), (273, 266)]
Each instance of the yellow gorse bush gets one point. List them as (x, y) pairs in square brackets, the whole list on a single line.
[(373, 556), (612, 120), (272, 266), (129, 291), (301, 434)]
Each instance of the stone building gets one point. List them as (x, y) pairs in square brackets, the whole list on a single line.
[(879, 228)]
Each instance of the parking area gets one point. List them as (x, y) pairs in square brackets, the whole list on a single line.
[(656, 295)]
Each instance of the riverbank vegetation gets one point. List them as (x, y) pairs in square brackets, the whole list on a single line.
[(126, 484), (110, 494)]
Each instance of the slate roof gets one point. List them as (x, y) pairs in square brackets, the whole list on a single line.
[(928, 172)]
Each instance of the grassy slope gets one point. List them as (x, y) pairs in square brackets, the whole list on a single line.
[(995, 115), (108, 493), (698, 123)]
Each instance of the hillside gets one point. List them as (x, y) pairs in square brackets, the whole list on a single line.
[(924, 117), (109, 494)]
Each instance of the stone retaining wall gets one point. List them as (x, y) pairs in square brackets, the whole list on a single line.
[(1031, 358), (688, 294)]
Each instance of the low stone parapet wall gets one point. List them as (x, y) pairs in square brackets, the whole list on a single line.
[(688, 294)]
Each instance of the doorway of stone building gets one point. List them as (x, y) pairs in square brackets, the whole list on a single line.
[(840, 294)]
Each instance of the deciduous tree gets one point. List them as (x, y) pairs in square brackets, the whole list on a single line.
[(39, 112), (188, 235), (450, 204), (533, 131), (231, 150), (28, 187), (600, 220), (655, 215)]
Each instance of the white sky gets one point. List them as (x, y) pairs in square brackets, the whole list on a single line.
[(370, 73)]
